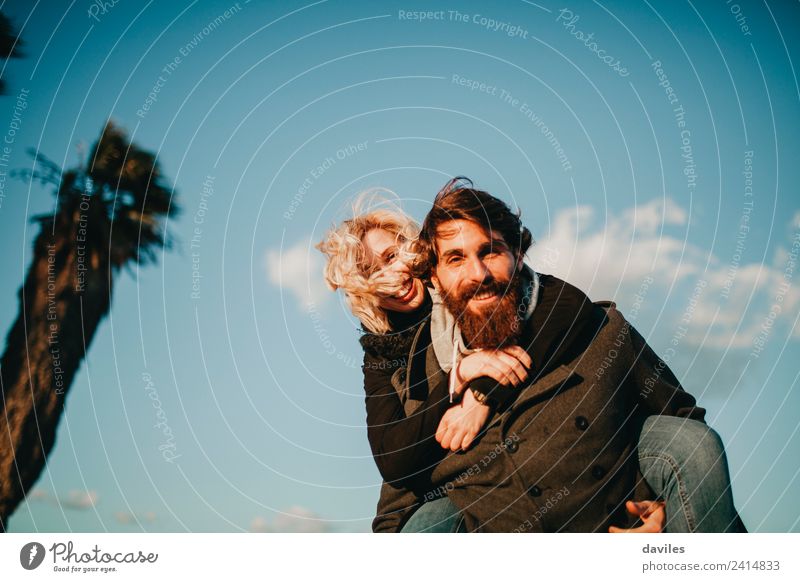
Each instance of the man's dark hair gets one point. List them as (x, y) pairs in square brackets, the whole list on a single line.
[(458, 200)]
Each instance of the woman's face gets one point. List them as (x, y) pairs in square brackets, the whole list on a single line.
[(381, 255)]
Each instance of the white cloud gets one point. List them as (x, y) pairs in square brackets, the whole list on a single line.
[(299, 270), (127, 517), (295, 519), (124, 517), (79, 499), (38, 495), (599, 258), (75, 499), (611, 258), (259, 525)]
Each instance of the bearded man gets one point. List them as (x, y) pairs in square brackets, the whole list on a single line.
[(562, 451)]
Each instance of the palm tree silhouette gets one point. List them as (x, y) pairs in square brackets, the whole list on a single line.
[(107, 215), (9, 44)]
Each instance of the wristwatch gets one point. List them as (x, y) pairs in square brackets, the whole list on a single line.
[(480, 397)]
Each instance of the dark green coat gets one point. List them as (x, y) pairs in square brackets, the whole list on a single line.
[(562, 456)]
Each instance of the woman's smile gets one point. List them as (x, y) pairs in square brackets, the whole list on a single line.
[(408, 292)]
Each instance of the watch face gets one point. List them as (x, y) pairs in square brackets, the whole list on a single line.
[(480, 397)]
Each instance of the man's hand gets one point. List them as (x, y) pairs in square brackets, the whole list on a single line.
[(652, 514), (508, 366), (461, 423)]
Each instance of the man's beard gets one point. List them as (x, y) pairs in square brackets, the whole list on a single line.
[(496, 325)]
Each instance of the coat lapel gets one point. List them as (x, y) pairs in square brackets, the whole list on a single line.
[(561, 376), (554, 379), (423, 372)]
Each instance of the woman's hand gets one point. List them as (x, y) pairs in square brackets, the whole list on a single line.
[(461, 423), (508, 366), (652, 513)]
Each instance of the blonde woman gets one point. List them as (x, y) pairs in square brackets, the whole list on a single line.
[(371, 258)]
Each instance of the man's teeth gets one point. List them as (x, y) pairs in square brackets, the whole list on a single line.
[(484, 295)]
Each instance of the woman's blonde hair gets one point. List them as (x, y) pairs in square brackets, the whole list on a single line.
[(346, 268)]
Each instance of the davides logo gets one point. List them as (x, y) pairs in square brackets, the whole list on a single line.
[(31, 555)]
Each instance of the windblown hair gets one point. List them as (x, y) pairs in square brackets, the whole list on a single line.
[(458, 200), (347, 267)]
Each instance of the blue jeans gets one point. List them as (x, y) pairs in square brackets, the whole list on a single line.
[(683, 462), (437, 516)]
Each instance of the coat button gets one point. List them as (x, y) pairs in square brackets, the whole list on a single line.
[(534, 491), (512, 447), (581, 423), (598, 472)]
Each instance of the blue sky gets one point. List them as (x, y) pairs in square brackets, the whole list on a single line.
[(667, 170)]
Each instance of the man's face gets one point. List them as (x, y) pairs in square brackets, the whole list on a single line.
[(476, 274)]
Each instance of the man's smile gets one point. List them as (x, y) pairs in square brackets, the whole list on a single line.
[(484, 297)]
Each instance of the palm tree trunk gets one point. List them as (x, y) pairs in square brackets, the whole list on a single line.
[(66, 293)]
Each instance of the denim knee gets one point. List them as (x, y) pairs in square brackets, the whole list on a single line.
[(437, 516), (689, 443), (683, 434), (709, 451)]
